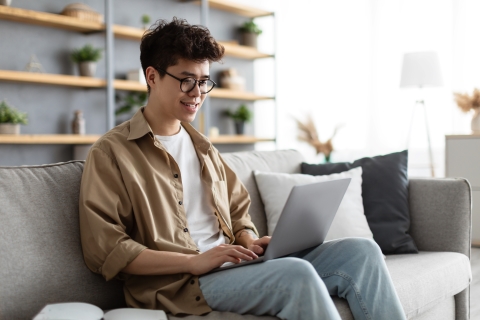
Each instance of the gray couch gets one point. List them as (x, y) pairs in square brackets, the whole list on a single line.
[(41, 260)]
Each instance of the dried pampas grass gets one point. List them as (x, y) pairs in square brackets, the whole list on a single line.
[(466, 102), (308, 133)]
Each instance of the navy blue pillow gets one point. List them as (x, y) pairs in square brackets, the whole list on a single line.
[(385, 197)]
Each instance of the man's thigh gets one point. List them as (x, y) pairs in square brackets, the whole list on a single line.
[(265, 288)]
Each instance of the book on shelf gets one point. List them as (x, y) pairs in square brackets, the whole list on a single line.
[(86, 311)]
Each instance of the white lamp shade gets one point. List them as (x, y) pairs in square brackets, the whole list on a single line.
[(421, 69)]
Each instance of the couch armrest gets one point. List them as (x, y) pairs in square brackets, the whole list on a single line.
[(441, 214)]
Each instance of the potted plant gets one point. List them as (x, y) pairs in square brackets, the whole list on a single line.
[(87, 58), (145, 21), (467, 103), (11, 119), (250, 32), (130, 103), (240, 116)]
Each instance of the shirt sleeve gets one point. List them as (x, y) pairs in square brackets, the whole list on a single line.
[(239, 201), (106, 217)]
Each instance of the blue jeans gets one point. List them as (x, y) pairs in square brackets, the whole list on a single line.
[(299, 286)]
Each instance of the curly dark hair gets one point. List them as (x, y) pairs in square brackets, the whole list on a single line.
[(166, 42)]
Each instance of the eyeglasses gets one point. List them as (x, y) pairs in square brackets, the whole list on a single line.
[(188, 84)]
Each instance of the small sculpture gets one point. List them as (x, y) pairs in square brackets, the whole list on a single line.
[(33, 65)]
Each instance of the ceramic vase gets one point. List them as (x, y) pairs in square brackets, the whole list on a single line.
[(9, 128), (476, 121), (87, 68)]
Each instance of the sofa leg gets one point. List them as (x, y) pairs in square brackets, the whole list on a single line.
[(462, 305)]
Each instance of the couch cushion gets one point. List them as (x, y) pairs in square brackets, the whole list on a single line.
[(41, 259), (385, 197), (243, 163), (428, 278), (349, 221)]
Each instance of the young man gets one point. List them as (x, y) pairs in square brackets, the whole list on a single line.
[(159, 208)]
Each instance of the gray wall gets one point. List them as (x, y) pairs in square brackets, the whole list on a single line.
[(50, 108)]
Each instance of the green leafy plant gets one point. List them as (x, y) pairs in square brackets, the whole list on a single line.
[(241, 114), (250, 27), (8, 114), (86, 53), (131, 101), (145, 19)]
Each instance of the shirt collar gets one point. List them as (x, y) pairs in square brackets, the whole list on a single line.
[(140, 127)]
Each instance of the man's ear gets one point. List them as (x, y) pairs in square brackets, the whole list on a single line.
[(150, 76)]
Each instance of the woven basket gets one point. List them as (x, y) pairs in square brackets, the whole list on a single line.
[(83, 12)]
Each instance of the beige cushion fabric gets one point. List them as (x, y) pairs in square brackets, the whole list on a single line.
[(425, 279)]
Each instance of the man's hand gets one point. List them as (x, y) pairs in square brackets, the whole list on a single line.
[(259, 245), (215, 257), (245, 239)]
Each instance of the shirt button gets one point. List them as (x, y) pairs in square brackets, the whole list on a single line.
[(180, 202), (197, 298), (185, 230), (175, 175), (192, 282)]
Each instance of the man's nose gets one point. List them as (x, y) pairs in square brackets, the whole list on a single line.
[(195, 91)]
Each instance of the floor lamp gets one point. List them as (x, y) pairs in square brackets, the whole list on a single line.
[(419, 70)]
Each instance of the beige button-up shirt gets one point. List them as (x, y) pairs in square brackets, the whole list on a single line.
[(131, 199)]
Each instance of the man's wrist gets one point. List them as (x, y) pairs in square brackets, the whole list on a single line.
[(245, 237), (246, 232)]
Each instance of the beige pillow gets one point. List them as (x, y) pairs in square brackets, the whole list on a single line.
[(350, 220)]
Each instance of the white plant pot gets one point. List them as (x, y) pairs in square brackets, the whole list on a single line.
[(9, 128), (476, 121), (5, 2), (87, 68)]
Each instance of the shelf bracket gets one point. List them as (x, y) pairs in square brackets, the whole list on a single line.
[(109, 56)]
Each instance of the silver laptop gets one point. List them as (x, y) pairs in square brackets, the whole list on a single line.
[(304, 222)]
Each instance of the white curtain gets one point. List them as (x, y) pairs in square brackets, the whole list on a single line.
[(340, 62)]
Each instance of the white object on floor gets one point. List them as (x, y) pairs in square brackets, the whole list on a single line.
[(86, 311)]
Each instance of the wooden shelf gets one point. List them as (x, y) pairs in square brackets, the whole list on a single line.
[(49, 20), (215, 93), (127, 32), (237, 95), (237, 8), (233, 49), (55, 79), (47, 139), (238, 139)]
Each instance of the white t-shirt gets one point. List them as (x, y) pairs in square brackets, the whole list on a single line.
[(202, 222)]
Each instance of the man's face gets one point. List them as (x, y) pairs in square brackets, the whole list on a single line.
[(175, 104)]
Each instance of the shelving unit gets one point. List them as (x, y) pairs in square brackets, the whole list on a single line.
[(49, 20), (51, 79), (48, 139), (122, 32), (236, 8)]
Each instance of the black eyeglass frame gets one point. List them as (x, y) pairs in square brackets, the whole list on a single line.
[(196, 82)]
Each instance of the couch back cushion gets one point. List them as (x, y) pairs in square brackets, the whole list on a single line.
[(41, 259), (243, 163)]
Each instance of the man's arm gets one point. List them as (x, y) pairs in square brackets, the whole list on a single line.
[(151, 262)]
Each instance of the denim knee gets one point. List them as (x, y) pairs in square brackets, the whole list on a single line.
[(296, 269), (362, 245)]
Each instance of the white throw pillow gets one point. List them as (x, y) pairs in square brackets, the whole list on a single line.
[(350, 220)]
